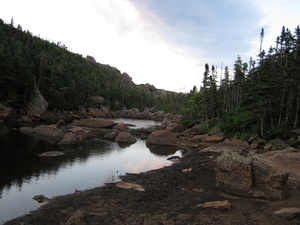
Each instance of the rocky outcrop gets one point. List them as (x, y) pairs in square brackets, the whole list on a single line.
[(38, 103), (94, 123), (252, 176), (288, 161), (235, 145), (125, 137), (162, 137)]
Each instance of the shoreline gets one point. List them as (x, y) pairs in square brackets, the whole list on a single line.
[(171, 196)]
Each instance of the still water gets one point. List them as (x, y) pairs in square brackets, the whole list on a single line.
[(23, 174)]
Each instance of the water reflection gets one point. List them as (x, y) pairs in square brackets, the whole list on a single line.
[(23, 174)]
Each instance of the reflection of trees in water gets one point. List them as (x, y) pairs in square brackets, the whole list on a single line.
[(162, 150), (22, 163)]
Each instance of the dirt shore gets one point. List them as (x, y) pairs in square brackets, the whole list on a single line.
[(171, 196)]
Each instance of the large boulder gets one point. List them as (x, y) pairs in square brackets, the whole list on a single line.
[(162, 137), (38, 103), (253, 176), (49, 133), (234, 174), (270, 182), (94, 122), (125, 137)]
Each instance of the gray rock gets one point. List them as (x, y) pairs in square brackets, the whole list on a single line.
[(288, 213), (269, 181), (253, 176), (234, 174), (38, 103), (125, 137)]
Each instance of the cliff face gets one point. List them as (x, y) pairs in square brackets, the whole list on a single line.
[(151, 88)]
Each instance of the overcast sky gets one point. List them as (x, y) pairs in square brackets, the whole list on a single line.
[(162, 42)]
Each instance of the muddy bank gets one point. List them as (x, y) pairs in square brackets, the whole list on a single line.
[(171, 196)]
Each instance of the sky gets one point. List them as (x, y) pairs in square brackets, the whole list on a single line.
[(162, 42)]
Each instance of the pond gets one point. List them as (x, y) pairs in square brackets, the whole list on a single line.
[(23, 174)]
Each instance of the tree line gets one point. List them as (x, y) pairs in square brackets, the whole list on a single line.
[(67, 80), (263, 96)]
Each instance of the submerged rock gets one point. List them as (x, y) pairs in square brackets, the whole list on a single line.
[(51, 154), (26, 130), (41, 198)]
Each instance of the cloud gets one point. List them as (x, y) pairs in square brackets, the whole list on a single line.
[(165, 43)]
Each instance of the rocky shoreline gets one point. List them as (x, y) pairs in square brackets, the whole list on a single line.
[(206, 186)]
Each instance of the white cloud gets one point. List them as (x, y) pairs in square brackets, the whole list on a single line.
[(277, 14), (115, 33)]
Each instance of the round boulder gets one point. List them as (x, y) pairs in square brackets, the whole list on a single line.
[(125, 137), (162, 137)]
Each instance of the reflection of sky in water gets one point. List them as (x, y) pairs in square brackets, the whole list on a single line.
[(83, 173)]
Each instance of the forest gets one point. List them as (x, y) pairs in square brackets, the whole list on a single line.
[(68, 80), (263, 96)]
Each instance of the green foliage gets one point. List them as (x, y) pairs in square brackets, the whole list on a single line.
[(263, 100), (241, 124)]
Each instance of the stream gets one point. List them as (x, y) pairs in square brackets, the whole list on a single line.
[(23, 174)]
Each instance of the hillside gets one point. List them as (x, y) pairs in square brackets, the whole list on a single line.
[(29, 64)]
